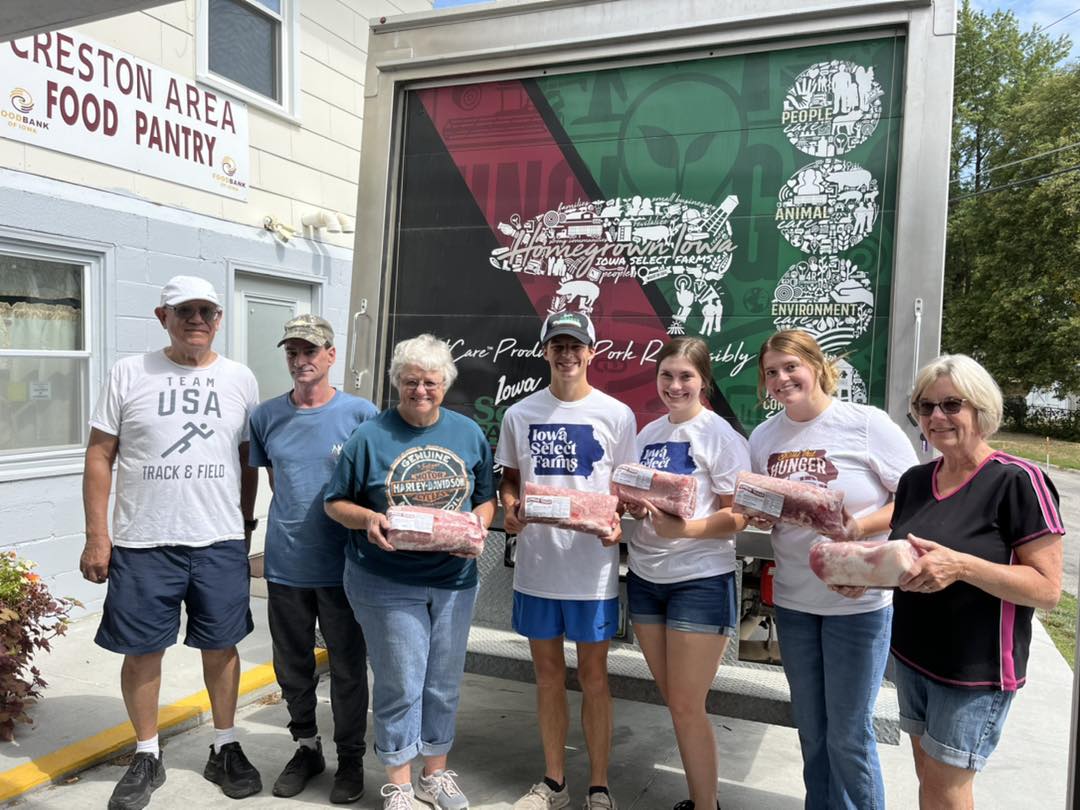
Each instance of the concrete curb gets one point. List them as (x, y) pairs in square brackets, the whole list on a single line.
[(177, 717)]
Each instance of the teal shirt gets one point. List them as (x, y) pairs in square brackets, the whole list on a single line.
[(388, 462)]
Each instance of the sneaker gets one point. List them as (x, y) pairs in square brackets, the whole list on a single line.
[(441, 791), (348, 781), (144, 775), (599, 801), (397, 797), (305, 763), (231, 769), (542, 797)]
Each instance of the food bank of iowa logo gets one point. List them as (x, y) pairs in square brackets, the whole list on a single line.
[(21, 100), (228, 165)]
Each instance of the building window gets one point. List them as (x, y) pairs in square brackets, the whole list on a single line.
[(44, 357), (248, 48)]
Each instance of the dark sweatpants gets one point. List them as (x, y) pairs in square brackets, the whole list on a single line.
[(292, 612)]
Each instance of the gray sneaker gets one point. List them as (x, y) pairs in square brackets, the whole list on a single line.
[(441, 791), (599, 801), (542, 797), (397, 797)]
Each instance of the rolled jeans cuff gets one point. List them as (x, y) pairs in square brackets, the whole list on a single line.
[(394, 759), (435, 749)]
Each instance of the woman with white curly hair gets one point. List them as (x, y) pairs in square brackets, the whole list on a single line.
[(415, 607)]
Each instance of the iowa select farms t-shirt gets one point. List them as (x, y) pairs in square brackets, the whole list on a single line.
[(576, 445), (177, 468)]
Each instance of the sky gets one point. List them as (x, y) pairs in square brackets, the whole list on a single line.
[(1041, 13)]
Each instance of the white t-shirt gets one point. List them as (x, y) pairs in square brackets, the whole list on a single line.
[(712, 452), (576, 445), (857, 449), (178, 468)]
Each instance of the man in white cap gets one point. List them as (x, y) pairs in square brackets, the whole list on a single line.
[(566, 583), (298, 436), (175, 422)]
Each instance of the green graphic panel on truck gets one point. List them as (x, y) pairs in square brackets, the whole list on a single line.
[(723, 197)]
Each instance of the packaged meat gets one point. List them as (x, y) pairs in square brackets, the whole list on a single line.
[(591, 512), (868, 564), (419, 528), (793, 502), (669, 492)]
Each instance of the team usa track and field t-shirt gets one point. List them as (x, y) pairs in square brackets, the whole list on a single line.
[(178, 463), (709, 450), (574, 445), (961, 635), (388, 462), (304, 547)]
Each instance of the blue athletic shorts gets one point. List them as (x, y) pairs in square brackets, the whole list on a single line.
[(704, 605), (960, 727), (147, 586), (584, 620)]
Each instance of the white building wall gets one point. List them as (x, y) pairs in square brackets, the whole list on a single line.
[(146, 230)]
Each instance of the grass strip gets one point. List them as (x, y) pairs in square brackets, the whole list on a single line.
[(1060, 623), (1034, 448)]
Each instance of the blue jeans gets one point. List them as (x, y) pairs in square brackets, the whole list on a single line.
[(416, 640), (834, 666)]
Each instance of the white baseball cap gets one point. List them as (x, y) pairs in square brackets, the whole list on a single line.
[(180, 289)]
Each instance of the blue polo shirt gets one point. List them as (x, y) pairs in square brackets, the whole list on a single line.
[(304, 548), (388, 462)]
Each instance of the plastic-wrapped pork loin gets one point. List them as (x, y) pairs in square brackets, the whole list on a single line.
[(590, 512), (793, 502), (668, 492), (419, 528), (868, 564)]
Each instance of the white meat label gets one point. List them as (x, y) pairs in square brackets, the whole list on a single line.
[(555, 507), (760, 500), (638, 479), (414, 522)]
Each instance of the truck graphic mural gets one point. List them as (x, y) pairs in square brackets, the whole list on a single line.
[(705, 197)]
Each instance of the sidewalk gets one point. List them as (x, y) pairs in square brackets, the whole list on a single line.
[(497, 751)]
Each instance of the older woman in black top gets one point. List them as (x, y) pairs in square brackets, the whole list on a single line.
[(990, 532)]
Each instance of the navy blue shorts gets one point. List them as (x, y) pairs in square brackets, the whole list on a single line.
[(705, 605), (584, 620), (147, 586)]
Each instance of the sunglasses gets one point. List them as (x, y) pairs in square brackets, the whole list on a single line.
[(186, 312), (949, 405)]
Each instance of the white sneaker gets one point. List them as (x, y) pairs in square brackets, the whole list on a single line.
[(397, 797), (441, 791), (599, 801), (542, 797)]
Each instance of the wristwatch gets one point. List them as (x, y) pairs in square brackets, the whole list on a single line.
[(251, 525)]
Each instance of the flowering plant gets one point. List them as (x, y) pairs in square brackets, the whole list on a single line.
[(29, 618)]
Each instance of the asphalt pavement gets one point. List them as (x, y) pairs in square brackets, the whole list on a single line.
[(1068, 487)]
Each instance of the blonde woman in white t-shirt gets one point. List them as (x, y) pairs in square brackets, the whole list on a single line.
[(681, 585), (834, 642)]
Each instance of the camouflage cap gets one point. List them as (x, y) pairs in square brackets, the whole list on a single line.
[(309, 327)]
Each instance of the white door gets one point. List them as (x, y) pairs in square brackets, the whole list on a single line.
[(262, 305)]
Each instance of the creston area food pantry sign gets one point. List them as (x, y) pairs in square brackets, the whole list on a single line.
[(64, 92)]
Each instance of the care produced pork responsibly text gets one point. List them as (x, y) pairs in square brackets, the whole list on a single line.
[(419, 528), (668, 492), (867, 564), (791, 502), (591, 512)]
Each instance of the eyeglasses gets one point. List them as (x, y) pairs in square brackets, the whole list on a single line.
[(949, 405), (186, 312), (427, 385)]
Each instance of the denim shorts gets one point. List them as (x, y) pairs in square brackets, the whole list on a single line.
[(960, 727), (704, 605), (147, 586), (583, 620)]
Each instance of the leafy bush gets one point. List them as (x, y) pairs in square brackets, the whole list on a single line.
[(1057, 423), (29, 618)]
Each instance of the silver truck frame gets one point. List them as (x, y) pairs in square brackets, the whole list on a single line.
[(520, 38)]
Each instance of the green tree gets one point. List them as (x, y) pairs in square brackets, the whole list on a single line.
[(1012, 277)]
